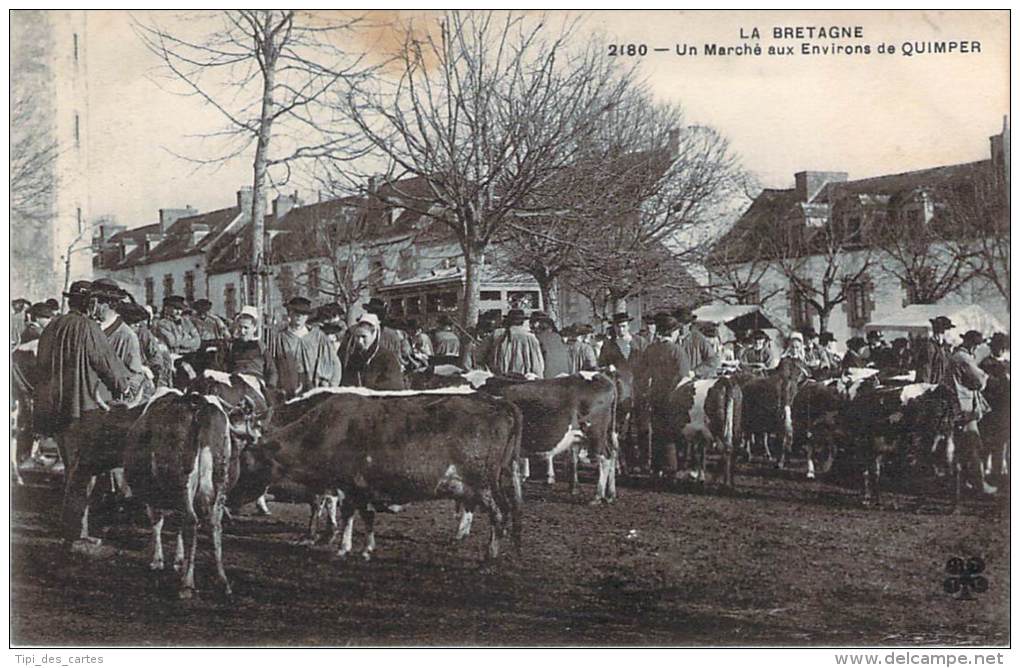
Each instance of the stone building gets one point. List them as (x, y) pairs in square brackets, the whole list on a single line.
[(862, 216)]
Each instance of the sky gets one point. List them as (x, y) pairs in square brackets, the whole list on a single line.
[(863, 114)]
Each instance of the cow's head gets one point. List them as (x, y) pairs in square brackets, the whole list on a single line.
[(257, 469)]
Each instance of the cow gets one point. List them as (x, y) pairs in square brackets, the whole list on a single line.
[(698, 414), (384, 448), (995, 425), (623, 377), (180, 458), (914, 421), (768, 406), (816, 427), (563, 415)]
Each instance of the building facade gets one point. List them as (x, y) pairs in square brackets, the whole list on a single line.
[(50, 235)]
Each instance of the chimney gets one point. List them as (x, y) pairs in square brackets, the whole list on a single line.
[(283, 204), (199, 231), (168, 217), (809, 184), (373, 184), (151, 241), (245, 199), (673, 145)]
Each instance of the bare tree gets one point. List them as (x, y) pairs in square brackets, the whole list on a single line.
[(823, 263), (739, 278), (266, 73), (487, 107), (33, 153)]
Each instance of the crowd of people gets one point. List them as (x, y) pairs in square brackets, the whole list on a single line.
[(107, 349)]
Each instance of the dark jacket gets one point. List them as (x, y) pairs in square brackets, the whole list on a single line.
[(248, 357), (931, 362), (377, 369), (554, 353)]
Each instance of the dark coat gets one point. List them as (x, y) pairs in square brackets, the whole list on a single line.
[(377, 369), (931, 362), (554, 352)]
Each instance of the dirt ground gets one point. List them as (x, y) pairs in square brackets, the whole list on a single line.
[(785, 561)]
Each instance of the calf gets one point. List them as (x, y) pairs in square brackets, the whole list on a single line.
[(561, 415), (180, 458), (385, 448)]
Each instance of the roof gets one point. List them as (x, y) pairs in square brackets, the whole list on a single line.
[(775, 207), (135, 235), (178, 239), (915, 319)]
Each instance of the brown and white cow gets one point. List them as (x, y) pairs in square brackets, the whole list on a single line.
[(563, 415), (699, 415), (384, 448), (180, 458)]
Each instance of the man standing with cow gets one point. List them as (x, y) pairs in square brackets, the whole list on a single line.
[(968, 380), (931, 361), (176, 331), (516, 350), (303, 357), (76, 365)]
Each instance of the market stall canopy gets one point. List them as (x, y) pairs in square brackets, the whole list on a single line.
[(737, 318), (916, 319)]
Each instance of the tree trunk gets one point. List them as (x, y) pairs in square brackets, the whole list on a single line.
[(550, 298), (472, 279), (823, 319), (259, 263)]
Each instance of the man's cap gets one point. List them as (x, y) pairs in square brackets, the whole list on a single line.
[(79, 289), (826, 337), (53, 304), (856, 343), (21, 302), (621, 317), (300, 305), (202, 306), (516, 316), (941, 324), (683, 314), (973, 338), (175, 301), (41, 310), (665, 323), (584, 328), (330, 328), (248, 311), (538, 315), (999, 341), (132, 313)]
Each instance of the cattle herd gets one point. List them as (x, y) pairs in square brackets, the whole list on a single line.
[(223, 441)]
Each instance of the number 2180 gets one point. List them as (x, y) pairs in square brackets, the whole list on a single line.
[(628, 49)]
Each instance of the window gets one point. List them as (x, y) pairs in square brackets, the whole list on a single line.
[(75, 47), (285, 283), (397, 307), (313, 281), (230, 301), (413, 305), (801, 310), (490, 296), (189, 286), (77, 130), (858, 304), (150, 291), (168, 285)]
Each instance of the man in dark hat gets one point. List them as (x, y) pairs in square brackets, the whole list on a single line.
[(303, 357), (580, 355), (646, 335), (827, 351), (39, 315), (121, 336), (515, 350), (759, 354), (619, 345), (176, 331), (855, 354), (554, 351), (75, 366), (996, 365), (968, 380), (23, 375), (156, 356), (210, 327), (931, 359), (880, 354)]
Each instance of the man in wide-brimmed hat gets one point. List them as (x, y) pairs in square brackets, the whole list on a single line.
[(110, 299), (619, 345), (515, 350), (177, 332), (75, 367), (758, 355), (968, 380), (39, 315), (210, 327), (931, 360), (855, 354), (303, 357)]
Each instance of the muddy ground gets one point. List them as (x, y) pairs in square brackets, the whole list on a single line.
[(785, 561)]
